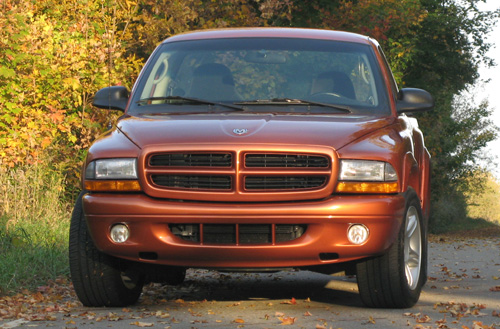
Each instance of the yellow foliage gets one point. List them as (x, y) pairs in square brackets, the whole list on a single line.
[(54, 55)]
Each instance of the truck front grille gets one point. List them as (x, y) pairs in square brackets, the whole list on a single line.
[(196, 182), (237, 234), (234, 175)]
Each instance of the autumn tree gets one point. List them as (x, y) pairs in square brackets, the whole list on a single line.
[(450, 47), (53, 57), (436, 45)]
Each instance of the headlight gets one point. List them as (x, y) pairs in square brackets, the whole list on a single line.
[(112, 175), (363, 176), (112, 169), (363, 170)]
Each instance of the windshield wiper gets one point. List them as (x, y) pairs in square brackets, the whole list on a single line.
[(190, 100), (293, 101)]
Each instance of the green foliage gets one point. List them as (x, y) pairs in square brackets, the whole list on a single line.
[(447, 210)]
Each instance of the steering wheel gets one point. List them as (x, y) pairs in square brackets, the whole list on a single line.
[(327, 94)]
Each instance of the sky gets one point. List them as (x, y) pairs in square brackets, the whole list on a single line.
[(491, 90)]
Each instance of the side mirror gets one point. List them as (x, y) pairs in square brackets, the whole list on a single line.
[(115, 98), (414, 100)]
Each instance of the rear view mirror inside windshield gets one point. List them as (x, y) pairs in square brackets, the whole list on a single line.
[(265, 57)]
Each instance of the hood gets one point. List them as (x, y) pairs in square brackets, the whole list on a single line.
[(321, 130)]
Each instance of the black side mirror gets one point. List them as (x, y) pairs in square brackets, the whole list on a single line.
[(115, 98), (414, 100)]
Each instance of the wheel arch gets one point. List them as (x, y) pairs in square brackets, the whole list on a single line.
[(416, 177)]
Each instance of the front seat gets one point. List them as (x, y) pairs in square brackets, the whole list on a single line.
[(333, 82), (212, 82)]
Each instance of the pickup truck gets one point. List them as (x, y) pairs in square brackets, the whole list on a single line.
[(256, 149)]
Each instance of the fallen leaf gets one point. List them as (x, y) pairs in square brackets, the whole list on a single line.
[(287, 320), (239, 321), (142, 324), (495, 288), (50, 317), (292, 301), (423, 319), (162, 315), (307, 314), (114, 317), (371, 320)]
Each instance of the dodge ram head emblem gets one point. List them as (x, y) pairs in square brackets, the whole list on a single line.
[(240, 131)]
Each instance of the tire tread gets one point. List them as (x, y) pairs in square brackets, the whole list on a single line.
[(95, 275)]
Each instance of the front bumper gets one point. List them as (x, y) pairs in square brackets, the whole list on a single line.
[(327, 223)]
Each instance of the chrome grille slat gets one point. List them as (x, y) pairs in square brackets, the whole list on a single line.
[(193, 182), (191, 160), (284, 182), (285, 161)]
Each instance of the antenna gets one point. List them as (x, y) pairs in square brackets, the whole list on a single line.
[(108, 32)]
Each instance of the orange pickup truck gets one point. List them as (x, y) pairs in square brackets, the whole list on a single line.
[(256, 149)]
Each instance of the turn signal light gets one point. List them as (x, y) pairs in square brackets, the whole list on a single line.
[(112, 185), (367, 187)]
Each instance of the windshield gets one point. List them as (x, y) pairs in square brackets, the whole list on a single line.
[(261, 75)]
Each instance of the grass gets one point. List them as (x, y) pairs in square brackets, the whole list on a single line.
[(34, 225)]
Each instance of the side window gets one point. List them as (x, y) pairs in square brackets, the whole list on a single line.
[(394, 86)]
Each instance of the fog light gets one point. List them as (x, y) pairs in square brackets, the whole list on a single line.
[(358, 234), (119, 233)]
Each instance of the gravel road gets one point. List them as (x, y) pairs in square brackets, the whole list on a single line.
[(463, 291)]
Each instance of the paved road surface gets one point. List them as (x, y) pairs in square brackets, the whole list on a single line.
[(463, 291)]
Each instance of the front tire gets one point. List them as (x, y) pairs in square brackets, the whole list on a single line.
[(395, 279), (99, 279)]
